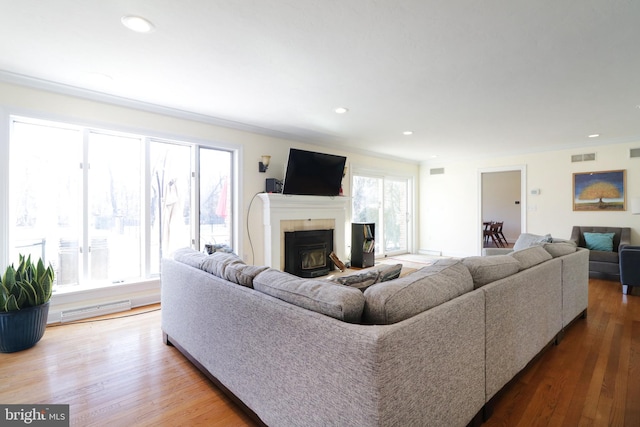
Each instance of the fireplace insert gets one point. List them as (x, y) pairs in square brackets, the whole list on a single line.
[(306, 253)]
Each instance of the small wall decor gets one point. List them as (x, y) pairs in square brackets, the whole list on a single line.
[(599, 191)]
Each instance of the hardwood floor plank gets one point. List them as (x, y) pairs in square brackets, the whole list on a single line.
[(119, 372), (632, 401)]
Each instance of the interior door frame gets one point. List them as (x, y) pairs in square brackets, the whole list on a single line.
[(523, 197)]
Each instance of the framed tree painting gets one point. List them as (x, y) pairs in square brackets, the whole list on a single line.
[(599, 191)]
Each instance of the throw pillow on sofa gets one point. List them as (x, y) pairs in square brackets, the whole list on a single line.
[(359, 280), (526, 240), (599, 241), (362, 280)]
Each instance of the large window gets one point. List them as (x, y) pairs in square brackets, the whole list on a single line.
[(103, 207), (384, 201)]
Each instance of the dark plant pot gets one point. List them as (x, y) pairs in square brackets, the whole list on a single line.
[(22, 329)]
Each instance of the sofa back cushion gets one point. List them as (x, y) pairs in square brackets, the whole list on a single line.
[(531, 256), (557, 249), (322, 296), (230, 267), (526, 240), (399, 299), (487, 269), (190, 257)]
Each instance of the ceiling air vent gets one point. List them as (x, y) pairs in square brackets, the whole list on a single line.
[(634, 152), (436, 171), (583, 157)]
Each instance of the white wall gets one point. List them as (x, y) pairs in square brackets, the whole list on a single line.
[(450, 208)]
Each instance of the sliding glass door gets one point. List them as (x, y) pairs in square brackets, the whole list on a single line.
[(386, 202), (104, 207)]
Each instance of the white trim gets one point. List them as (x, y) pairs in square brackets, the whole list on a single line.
[(140, 293), (5, 124)]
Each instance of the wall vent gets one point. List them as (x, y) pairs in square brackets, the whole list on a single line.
[(634, 152), (436, 171), (95, 310), (583, 157)]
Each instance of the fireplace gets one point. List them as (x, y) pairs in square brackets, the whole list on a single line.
[(284, 213), (307, 252)]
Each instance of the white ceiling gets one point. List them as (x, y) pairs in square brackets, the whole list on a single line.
[(468, 77)]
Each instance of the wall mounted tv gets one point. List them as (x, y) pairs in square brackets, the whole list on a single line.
[(313, 174)]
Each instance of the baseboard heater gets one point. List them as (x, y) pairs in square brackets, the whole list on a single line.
[(95, 310)]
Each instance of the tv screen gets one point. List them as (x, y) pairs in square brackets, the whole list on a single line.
[(313, 174)]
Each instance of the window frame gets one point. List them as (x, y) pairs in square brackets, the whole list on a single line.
[(147, 284)]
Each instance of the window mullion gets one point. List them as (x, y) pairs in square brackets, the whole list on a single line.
[(84, 233)]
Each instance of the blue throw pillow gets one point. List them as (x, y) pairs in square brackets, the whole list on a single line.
[(599, 241)]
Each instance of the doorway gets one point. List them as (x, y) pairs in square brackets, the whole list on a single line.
[(502, 199)]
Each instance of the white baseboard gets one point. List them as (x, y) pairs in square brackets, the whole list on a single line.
[(71, 305)]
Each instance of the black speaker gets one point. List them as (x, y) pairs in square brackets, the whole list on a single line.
[(273, 185)]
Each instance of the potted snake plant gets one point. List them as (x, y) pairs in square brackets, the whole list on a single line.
[(25, 292)]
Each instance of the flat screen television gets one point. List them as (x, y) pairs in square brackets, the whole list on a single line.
[(313, 174)]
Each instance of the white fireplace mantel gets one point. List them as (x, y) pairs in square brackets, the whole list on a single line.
[(280, 207)]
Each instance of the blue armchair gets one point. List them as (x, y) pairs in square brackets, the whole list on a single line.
[(629, 268)]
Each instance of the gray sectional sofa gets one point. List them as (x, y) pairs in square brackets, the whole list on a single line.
[(432, 348)]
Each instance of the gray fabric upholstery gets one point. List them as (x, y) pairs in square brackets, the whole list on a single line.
[(559, 249), (526, 240), (523, 314), (190, 257), (296, 367), (531, 256), (575, 284), (230, 267), (321, 296), (388, 272), (361, 280), (396, 300), (489, 269)]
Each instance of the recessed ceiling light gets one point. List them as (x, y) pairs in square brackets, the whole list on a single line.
[(594, 135), (137, 24), (341, 110), (407, 132)]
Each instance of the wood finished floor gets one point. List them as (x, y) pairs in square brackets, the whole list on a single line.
[(117, 372)]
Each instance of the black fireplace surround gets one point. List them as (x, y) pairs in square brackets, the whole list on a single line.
[(306, 253)]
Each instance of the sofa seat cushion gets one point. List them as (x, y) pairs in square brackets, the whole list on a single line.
[(322, 296), (603, 256), (487, 269), (526, 240), (599, 241), (560, 248), (399, 299), (230, 267), (531, 256)]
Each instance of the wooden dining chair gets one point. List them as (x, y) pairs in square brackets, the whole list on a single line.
[(486, 232), (500, 235)]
